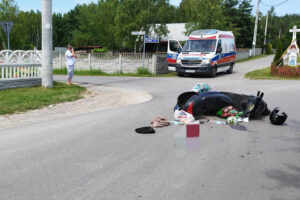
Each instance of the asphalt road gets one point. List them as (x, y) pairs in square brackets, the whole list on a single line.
[(99, 156)]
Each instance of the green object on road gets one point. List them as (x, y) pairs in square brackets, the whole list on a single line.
[(23, 99), (229, 111)]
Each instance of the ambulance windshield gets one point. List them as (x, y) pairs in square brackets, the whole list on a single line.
[(203, 46)]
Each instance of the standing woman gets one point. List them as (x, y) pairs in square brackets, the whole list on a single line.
[(70, 62)]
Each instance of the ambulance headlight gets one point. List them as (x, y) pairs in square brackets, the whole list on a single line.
[(206, 61), (178, 61)]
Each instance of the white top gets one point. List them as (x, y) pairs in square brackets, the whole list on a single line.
[(70, 60), (294, 31)]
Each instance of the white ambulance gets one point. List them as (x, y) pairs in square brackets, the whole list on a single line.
[(208, 52)]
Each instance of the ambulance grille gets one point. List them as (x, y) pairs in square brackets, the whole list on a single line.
[(191, 62)]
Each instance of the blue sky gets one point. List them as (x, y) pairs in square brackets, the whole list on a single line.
[(63, 6)]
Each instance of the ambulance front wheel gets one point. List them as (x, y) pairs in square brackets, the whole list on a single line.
[(180, 74), (213, 72), (229, 71)]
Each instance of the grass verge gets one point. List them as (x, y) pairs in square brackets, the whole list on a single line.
[(252, 58), (140, 73), (23, 99), (265, 73)]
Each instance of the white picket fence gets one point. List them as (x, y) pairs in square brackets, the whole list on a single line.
[(107, 62), (20, 57), (27, 64), (20, 65), (20, 71)]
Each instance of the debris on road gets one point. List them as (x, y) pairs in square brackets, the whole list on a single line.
[(183, 116), (158, 122), (232, 120), (217, 122), (229, 111), (235, 108), (201, 87), (145, 130), (232, 107), (192, 130), (277, 118)]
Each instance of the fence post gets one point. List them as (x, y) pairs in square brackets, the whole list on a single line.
[(90, 62), (154, 60), (60, 61), (120, 63)]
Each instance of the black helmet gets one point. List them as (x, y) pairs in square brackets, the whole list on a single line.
[(277, 118)]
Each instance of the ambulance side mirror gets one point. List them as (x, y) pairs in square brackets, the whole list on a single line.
[(219, 50), (179, 50)]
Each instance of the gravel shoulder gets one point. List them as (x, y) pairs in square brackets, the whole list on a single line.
[(96, 98)]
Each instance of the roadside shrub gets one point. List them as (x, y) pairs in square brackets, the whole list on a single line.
[(269, 49), (102, 50), (143, 71)]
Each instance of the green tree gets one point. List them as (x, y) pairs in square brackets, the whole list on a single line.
[(9, 12), (88, 29), (203, 14), (133, 15), (59, 30), (106, 23), (29, 23), (246, 24), (232, 15), (279, 51)]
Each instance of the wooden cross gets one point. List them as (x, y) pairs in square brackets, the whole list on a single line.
[(294, 31)]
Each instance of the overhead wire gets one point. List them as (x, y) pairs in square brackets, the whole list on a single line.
[(275, 4)]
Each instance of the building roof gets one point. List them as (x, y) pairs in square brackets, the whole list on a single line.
[(176, 32)]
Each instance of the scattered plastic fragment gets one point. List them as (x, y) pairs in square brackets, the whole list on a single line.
[(245, 119), (217, 122), (176, 122)]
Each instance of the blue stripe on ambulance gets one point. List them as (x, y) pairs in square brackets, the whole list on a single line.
[(218, 57)]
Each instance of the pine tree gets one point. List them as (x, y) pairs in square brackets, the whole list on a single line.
[(279, 51)]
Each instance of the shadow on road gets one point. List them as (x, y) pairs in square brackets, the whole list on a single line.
[(219, 75), (285, 178)]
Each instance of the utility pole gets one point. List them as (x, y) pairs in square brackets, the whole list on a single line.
[(279, 35), (144, 49), (47, 62), (266, 28), (255, 29)]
